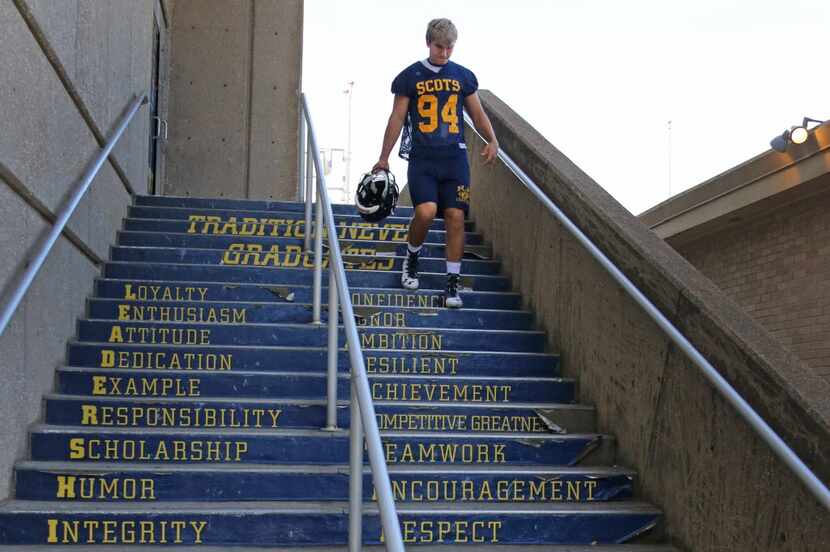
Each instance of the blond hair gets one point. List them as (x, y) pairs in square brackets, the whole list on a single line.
[(441, 29)]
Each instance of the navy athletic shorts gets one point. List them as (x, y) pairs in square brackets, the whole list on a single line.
[(445, 181)]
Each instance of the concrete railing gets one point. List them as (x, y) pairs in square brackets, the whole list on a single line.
[(720, 486)]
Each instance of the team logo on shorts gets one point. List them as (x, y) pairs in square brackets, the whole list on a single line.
[(463, 194)]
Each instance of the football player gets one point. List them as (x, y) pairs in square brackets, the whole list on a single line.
[(430, 98)]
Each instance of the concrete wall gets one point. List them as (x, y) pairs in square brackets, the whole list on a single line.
[(234, 123), (719, 485), (68, 70), (776, 267)]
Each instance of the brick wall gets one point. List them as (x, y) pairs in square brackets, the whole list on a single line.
[(777, 267)]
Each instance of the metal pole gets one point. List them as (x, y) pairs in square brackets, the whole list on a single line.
[(301, 158), (331, 407), (360, 380), (355, 475), (348, 181), (380, 473), (63, 217), (309, 189), (778, 446), (669, 158), (318, 254)]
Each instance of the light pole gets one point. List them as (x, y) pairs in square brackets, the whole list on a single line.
[(348, 159), (669, 138), (328, 166)]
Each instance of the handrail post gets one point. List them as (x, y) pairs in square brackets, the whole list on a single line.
[(380, 472), (301, 159), (65, 214), (363, 421), (355, 474), (309, 189), (331, 407), (318, 254)]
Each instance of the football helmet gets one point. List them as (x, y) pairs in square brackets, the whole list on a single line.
[(377, 196)]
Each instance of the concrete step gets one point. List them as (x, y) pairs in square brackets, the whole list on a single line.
[(279, 256), (200, 214), (212, 358), (255, 413), (288, 229), (381, 548), (307, 335), (290, 277), (260, 446), (227, 312), (155, 290), (311, 385), (304, 523), (95, 482), (347, 247), (247, 204)]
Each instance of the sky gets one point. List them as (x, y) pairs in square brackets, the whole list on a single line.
[(600, 79)]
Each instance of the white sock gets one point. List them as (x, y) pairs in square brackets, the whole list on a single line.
[(412, 249), (453, 267)]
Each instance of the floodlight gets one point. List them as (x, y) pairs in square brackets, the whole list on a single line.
[(796, 135)]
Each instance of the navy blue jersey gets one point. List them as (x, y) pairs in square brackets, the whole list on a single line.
[(435, 121)]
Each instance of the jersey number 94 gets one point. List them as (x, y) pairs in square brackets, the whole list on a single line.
[(428, 110)]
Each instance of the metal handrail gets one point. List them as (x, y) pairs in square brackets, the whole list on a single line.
[(362, 408), (20, 289), (778, 446)]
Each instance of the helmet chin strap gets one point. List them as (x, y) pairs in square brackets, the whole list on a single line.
[(369, 210)]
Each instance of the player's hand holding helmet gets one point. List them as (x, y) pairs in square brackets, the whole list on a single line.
[(377, 196)]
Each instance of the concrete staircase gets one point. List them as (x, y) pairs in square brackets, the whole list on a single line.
[(190, 408)]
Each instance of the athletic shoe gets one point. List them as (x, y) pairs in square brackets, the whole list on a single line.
[(409, 274), (452, 300)]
